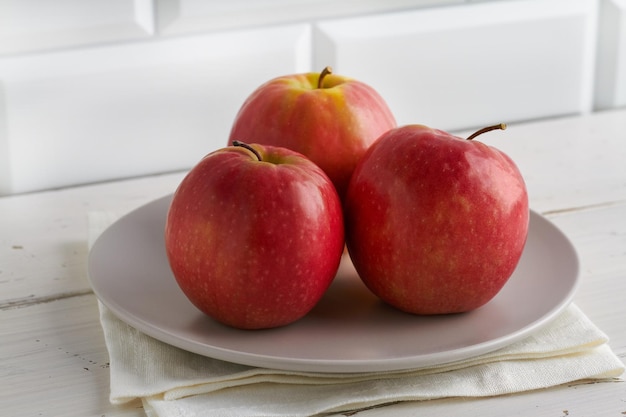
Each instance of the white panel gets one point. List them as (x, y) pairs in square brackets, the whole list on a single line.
[(29, 25), (118, 111), (185, 16), (611, 69), (466, 66)]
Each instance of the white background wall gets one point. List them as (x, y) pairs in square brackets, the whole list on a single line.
[(92, 90)]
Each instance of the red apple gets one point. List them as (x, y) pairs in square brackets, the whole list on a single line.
[(254, 235), (435, 224), (329, 118)]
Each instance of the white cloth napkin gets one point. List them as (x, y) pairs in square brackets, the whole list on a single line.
[(174, 383)]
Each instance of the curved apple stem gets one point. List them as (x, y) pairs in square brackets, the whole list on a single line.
[(500, 126), (323, 74), (248, 147)]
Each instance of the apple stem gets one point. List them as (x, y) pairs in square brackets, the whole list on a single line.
[(323, 74), (500, 126), (248, 147)]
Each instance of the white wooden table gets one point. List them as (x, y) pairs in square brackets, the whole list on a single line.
[(53, 361)]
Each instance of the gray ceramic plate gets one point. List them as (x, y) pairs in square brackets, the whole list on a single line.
[(349, 330)]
